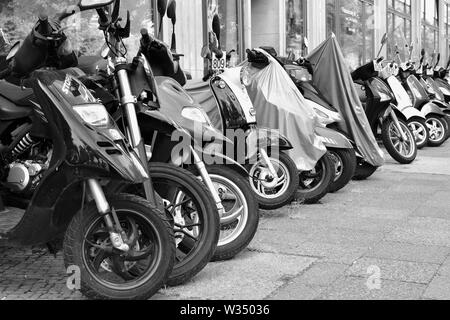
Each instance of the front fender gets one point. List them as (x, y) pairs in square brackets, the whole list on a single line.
[(409, 113), (263, 138), (221, 159), (52, 207), (333, 139), (432, 108)]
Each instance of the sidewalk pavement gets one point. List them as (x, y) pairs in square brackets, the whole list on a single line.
[(384, 238)]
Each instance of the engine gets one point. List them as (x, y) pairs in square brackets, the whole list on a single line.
[(24, 176), (28, 161)]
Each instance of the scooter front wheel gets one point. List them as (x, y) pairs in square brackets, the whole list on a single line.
[(105, 272), (438, 130), (403, 151), (364, 171), (420, 131), (345, 164), (274, 192), (240, 221), (315, 184)]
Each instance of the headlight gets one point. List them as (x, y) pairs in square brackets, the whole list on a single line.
[(93, 114), (194, 114), (245, 77)]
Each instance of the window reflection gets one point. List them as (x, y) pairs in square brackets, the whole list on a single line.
[(229, 29), (399, 25), (353, 23), (295, 26), (17, 18), (430, 25)]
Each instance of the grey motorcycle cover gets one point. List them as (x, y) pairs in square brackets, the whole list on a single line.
[(333, 79), (280, 105)]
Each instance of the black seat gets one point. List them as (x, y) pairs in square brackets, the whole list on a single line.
[(16, 94)]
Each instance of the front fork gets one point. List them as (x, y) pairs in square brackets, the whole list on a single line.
[(397, 124), (128, 103), (116, 235), (268, 163), (200, 165)]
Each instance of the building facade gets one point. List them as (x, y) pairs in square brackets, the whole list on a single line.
[(287, 25), (300, 25)]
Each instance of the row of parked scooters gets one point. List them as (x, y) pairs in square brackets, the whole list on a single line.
[(145, 177)]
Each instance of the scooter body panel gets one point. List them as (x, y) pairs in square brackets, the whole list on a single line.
[(77, 155), (333, 139)]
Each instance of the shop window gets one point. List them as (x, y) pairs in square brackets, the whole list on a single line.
[(399, 25), (430, 26), (353, 23), (447, 31), (231, 33), (296, 27)]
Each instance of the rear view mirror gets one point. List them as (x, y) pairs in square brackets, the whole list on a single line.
[(172, 11), (206, 52), (162, 7), (216, 26)]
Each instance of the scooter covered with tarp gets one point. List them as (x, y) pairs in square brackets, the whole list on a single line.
[(332, 77), (279, 105)]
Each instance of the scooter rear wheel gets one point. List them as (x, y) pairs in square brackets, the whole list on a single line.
[(404, 152)]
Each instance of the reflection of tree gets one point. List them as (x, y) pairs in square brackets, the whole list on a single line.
[(17, 18)]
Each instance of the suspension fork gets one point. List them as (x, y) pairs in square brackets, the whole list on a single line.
[(397, 124), (269, 163), (128, 103), (208, 182), (105, 211)]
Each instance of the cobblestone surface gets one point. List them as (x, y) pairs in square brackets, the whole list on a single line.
[(398, 222)]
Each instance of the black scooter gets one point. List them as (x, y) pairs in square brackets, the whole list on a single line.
[(166, 111), (59, 147)]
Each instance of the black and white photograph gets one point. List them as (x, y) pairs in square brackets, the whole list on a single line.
[(223, 158)]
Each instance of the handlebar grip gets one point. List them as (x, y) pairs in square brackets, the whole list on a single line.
[(103, 18)]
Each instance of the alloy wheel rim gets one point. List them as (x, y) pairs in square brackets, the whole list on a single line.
[(266, 190), (437, 130), (405, 148), (235, 204), (113, 270), (338, 165), (419, 132)]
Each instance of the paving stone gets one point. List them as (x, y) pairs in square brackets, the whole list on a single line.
[(355, 288), (253, 276), (395, 270), (409, 252), (297, 291), (439, 289)]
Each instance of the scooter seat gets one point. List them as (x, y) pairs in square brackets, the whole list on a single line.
[(15, 94)]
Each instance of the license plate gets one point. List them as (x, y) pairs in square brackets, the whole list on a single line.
[(219, 64)]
